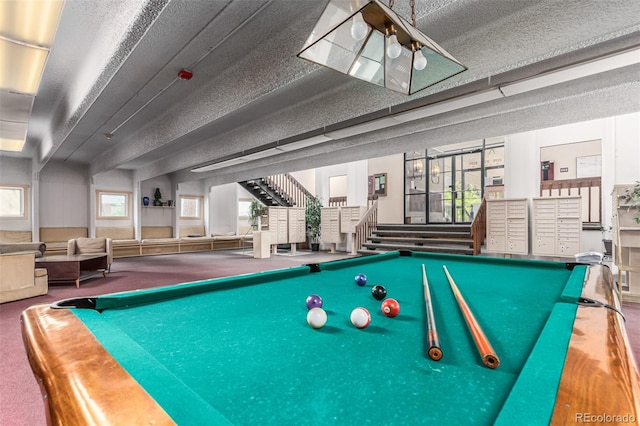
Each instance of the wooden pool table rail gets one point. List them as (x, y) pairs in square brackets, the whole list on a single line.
[(82, 384), (600, 375)]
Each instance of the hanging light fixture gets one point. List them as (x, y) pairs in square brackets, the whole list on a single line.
[(368, 40)]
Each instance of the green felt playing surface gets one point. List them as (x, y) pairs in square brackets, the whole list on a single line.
[(240, 351)]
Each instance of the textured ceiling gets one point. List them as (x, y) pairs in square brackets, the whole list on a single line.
[(114, 64)]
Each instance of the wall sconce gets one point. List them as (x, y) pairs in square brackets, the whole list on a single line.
[(418, 168), (435, 170)]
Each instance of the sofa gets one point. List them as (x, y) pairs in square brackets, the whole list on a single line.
[(20, 278), (92, 246), (37, 249)]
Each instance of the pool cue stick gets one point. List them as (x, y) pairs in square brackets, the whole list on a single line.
[(435, 353), (488, 355)]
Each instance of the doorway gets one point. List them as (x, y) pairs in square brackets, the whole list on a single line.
[(445, 185), (455, 187)]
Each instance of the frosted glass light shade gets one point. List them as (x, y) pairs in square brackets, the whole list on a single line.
[(332, 45)]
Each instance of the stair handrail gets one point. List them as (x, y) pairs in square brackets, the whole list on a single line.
[(289, 188), (365, 226), (479, 227)]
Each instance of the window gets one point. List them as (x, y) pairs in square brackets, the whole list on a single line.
[(190, 207), (113, 204), (13, 201), (244, 208)]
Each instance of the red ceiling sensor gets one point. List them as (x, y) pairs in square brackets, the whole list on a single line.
[(185, 75)]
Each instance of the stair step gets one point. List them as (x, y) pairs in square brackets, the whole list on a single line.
[(423, 234), (424, 227), (422, 241), (432, 249)]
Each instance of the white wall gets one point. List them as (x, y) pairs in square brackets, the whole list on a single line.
[(64, 195), (223, 207), (391, 206), (626, 148), (356, 173), (306, 177), (158, 216)]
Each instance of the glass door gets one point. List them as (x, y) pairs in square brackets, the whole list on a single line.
[(468, 186), (440, 196), (415, 188), (455, 189)]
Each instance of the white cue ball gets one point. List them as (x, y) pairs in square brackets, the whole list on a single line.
[(316, 317), (360, 317)]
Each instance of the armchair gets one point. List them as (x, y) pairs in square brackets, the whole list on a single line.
[(92, 246), (19, 278)]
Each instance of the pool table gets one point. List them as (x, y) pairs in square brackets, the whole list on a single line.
[(238, 350)]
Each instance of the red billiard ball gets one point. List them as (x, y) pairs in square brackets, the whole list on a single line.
[(390, 307)]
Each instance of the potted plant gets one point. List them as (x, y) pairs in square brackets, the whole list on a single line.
[(256, 210), (631, 200), (312, 216), (157, 197)]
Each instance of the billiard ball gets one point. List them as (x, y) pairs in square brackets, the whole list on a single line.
[(360, 317), (361, 279), (378, 292), (390, 307), (316, 317), (314, 301)]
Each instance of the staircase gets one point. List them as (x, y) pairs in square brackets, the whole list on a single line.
[(277, 190), (456, 239)]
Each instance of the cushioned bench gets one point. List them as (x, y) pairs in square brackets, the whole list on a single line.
[(230, 240), (194, 238), (56, 238), (159, 240), (123, 240)]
